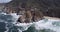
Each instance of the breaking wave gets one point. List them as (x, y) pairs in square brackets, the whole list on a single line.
[(8, 24)]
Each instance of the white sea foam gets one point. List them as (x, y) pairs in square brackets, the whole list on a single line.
[(47, 25), (40, 25), (7, 29), (19, 30)]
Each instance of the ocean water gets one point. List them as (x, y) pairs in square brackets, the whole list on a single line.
[(8, 24)]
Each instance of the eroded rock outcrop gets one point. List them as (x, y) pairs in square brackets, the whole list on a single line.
[(30, 16), (21, 7)]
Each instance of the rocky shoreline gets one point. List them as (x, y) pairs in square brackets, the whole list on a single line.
[(32, 10), (28, 15)]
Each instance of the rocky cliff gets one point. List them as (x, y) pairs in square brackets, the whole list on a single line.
[(47, 7)]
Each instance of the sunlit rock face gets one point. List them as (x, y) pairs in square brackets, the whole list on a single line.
[(30, 16)]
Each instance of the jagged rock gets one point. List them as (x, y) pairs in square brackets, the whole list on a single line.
[(30, 17), (21, 7)]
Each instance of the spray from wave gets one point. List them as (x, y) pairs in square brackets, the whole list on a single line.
[(45, 25)]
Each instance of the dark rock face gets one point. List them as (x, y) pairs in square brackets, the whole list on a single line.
[(29, 9), (44, 5), (54, 12), (50, 7)]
